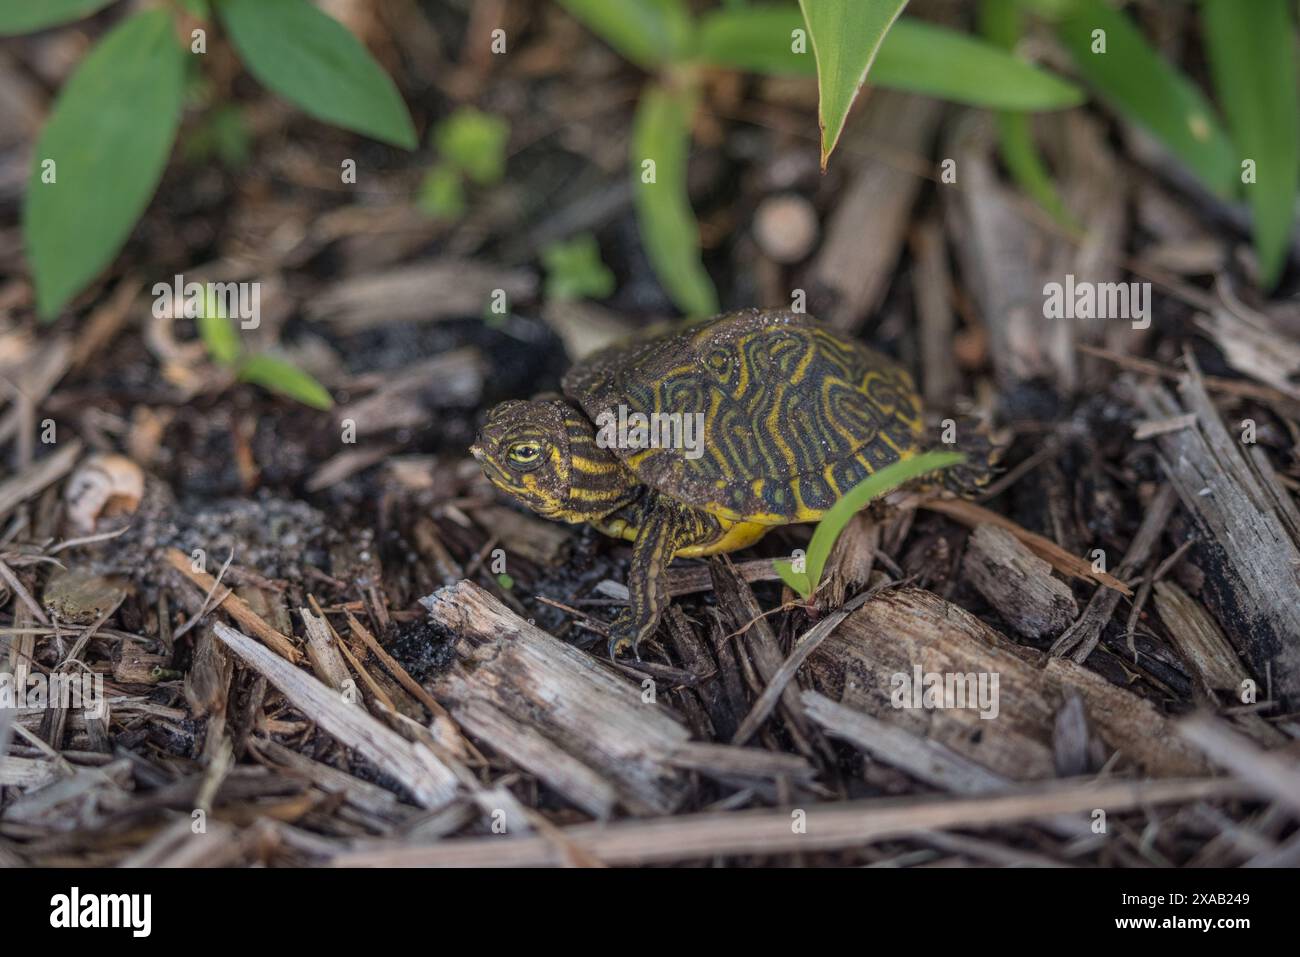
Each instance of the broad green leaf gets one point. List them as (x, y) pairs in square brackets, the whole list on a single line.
[(312, 60), (650, 33), (661, 138), (915, 56), (855, 499), (104, 146), (26, 16), (475, 142), (287, 380), (1142, 86), (846, 36), (765, 39), (1252, 56), (923, 58), (1002, 22)]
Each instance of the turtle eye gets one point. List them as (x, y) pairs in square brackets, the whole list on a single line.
[(525, 454)]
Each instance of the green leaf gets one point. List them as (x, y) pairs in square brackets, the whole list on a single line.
[(915, 56), (833, 522), (1143, 87), (923, 58), (765, 39), (846, 36), (217, 331), (25, 16), (660, 147), (281, 377), (475, 142), (108, 137), (311, 59), (442, 193), (574, 270), (1252, 56), (1002, 22), (650, 33)]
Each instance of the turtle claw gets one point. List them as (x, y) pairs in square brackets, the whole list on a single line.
[(624, 636)]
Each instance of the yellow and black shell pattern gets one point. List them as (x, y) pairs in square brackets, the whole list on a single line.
[(794, 414)]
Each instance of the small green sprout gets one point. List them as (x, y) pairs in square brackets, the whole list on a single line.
[(222, 341), (471, 146), (574, 270), (832, 524)]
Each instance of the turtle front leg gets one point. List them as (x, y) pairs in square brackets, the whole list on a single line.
[(663, 529)]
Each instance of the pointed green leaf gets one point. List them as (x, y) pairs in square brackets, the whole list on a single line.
[(27, 16), (311, 59), (1252, 56), (854, 500), (915, 56), (846, 36), (661, 139), (104, 146), (1144, 87), (287, 380)]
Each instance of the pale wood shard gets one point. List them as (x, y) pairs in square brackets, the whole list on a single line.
[(1246, 535), (533, 697), (1208, 656), (841, 824), (1199, 640), (923, 758), (177, 845), (425, 292), (406, 397), (1018, 583), (932, 284), (322, 652), (529, 749), (742, 765), (37, 477), (867, 229), (1002, 257), (430, 783), (903, 630), (1011, 250), (1268, 772), (972, 515)]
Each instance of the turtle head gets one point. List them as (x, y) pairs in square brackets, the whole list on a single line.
[(544, 453)]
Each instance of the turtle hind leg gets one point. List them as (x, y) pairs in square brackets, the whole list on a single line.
[(968, 478)]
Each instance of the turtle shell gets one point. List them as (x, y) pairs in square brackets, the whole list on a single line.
[(793, 414)]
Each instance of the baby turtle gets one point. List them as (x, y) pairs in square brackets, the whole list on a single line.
[(699, 440)]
